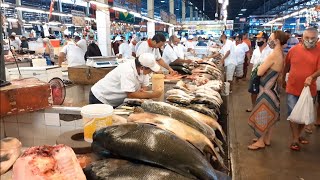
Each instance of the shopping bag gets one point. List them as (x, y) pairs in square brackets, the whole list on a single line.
[(303, 111)]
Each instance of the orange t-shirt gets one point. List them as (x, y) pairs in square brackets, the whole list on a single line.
[(248, 42), (303, 63)]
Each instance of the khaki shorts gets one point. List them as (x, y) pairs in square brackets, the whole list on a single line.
[(230, 72), (239, 71)]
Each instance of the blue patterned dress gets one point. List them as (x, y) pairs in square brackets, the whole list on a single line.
[(267, 109)]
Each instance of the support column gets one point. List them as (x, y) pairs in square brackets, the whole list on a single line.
[(171, 9), (196, 16), (103, 29), (183, 9), (191, 13), (171, 30), (88, 9), (151, 27), (19, 13)]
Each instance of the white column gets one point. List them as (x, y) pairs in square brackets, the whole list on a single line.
[(19, 13), (150, 5), (196, 16), (151, 27), (103, 29), (88, 9), (191, 13), (171, 30), (183, 9)]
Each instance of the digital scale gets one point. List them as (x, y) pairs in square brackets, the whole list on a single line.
[(102, 61)]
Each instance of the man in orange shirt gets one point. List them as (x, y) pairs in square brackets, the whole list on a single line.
[(303, 60), (246, 40)]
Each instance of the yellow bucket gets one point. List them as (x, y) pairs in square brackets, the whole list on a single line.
[(95, 117)]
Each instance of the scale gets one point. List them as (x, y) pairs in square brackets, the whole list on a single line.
[(102, 61)]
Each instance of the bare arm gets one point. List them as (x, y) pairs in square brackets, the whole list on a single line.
[(263, 68), (61, 58), (225, 57), (165, 65), (144, 95)]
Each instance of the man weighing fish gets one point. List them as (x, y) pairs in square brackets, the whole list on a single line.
[(128, 80)]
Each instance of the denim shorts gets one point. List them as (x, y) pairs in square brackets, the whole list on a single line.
[(292, 101)]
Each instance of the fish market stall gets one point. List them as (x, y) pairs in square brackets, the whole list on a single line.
[(184, 137)]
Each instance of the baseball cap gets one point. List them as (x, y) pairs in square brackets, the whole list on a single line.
[(190, 37), (118, 38), (148, 60), (13, 34), (262, 35)]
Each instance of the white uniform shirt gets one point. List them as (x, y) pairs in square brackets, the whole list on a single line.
[(15, 43), (132, 47), (258, 57), (229, 46), (179, 50), (82, 43), (74, 54), (113, 88), (240, 52), (145, 48), (189, 44), (169, 55), (125, 50)]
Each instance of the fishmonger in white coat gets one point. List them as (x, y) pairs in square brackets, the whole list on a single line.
[(128, 80)]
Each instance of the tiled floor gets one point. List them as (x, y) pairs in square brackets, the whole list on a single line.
[(276, 162)]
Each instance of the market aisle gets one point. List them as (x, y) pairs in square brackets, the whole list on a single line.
[(275, 162)]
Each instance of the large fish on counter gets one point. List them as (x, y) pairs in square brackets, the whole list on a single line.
[(183, 131), (178, 114), (151, 144), (9, 153), (116, 169), (206, 119)]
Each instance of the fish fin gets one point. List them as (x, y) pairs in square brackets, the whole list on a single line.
[(219, 144), (201, 150), (99, 150), (215, 156)]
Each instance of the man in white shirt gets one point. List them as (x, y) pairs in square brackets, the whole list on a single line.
[(258, 57), (228, 59), (128, 80), (124, 49), (170, 55), (241, 50), (73, 54), (14, 41), (133, 44), (81, 43), (189, 44), (179, 49), (152, 46)]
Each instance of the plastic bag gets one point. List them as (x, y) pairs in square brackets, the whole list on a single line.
[(303, 111)]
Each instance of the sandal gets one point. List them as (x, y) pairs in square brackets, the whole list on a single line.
[(255, 147), (295, 147), (308, 130), (256, 139), (248, 110), (303, 140)]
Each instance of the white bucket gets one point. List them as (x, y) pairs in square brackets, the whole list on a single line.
[(95, 117), (226, 90)]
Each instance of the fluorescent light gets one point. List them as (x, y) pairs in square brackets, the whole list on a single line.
[(240, 14), (35, 22), (237, 17), (162, 1), (177, 9), (12, 19), (60, 14), (5, 5), (30, 10), (54, 23), (119, 9), (99, 4), (196, 8), (243, 9), (135, 14)]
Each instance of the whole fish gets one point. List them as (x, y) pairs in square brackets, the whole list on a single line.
[(151, 144), (118, 169), (212, 122), (200, 141), (178, 92), (180, 99), (203, 109), (176, 113)]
